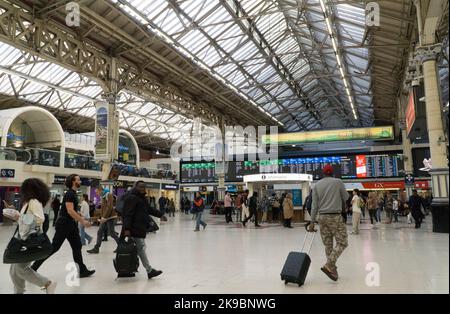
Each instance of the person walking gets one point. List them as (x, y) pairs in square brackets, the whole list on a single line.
[(228, 204), (47, 209), (329, 195), (275, 207), (356, 211), (136, 220), (66, 227), (264, 208), (372, 203), (162, 204), (34, 194), (197, 208), (171, 208), (380, 208), (107, 220), (415, 205), (253, 207), (395, 209), (389, 207), (85, 212), (56, 205), (288, 210)]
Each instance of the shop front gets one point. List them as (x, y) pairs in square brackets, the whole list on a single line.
[(172, 192)]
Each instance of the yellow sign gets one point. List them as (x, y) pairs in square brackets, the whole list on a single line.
[(382, 133)]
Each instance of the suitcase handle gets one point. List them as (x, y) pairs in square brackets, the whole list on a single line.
[(311, 243)]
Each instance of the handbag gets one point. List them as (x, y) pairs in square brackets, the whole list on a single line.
[(152, 225), (35, 247)]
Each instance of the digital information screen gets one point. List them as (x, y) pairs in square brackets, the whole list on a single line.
[(345, 167)]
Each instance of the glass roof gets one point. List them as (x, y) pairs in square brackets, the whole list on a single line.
[(255, 48), (35, 80)]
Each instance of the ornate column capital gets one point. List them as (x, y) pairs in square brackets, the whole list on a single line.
[(426, 53)]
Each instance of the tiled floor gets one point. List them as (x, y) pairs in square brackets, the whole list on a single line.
[(230, 259)]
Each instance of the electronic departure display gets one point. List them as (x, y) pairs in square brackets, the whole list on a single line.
[(345, 167)]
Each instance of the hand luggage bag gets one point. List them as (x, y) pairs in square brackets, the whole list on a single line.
[(126, 262), (297, 264)]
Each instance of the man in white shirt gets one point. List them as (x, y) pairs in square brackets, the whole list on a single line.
[(84, 212), (395, 209), (356, 209)]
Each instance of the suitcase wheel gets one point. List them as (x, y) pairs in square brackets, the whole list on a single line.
[(285, 282)]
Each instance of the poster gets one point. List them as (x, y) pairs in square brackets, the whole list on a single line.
[(101, 132)]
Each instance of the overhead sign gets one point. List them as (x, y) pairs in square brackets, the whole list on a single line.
[(409, 180), (422, 184), (7, 173), (388, 185), (190, 188), (268, 177), (381, 133), (155, 186), (165, 186)]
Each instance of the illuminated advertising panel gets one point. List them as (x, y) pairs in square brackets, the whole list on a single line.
[(360, 134), (410, 114)]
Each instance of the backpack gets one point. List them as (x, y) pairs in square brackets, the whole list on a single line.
[(360, 202), (120, 203), (126, 262)]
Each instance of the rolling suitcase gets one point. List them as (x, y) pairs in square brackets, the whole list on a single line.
[(297, 265)]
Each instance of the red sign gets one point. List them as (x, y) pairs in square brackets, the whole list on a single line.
[(361, 169), (410, 112), (422, 185), (384, 185)]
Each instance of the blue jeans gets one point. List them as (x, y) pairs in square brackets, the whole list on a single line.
[(83, 235), (199, 221), (379, 214)]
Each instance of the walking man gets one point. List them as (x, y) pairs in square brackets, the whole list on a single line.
[(329, 195), (107, 220)]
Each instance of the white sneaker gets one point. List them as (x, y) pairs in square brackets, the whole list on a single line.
[(51, 288)]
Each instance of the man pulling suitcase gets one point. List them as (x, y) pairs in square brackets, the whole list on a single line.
[(328, 196)]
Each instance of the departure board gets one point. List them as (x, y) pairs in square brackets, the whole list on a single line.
[(198, 172), (345, 167), (379, 166)]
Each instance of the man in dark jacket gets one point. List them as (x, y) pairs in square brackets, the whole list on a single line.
[(162, 204), (136, 220), (415, 204), (253, 207)]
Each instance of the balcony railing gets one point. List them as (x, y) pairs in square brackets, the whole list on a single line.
[(51, 158), (75, 161)]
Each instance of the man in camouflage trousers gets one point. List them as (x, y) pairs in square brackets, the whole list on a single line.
[(328, 197)]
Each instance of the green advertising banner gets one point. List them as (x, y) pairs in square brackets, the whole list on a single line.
[(381, 133)]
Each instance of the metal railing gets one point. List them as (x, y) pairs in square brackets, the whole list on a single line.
[(76, 161), (15, 154)]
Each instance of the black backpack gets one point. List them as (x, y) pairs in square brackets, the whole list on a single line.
[(126, 262), (120, 203)]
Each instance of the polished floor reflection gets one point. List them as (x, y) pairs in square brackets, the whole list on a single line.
[(231, 259)]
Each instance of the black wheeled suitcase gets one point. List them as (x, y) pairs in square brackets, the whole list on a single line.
[(297, 265), (126, 262)]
